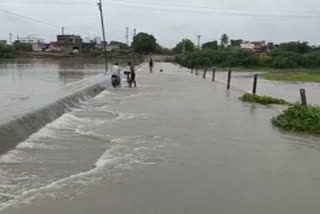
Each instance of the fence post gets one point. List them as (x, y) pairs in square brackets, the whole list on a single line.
[(255, 81), (197, 72), (229, 79), (204, 73), (213, 74), (303, 97)]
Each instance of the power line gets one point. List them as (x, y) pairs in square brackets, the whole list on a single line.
[(192, 8), (208, 10), (28, 18), (212, 12)]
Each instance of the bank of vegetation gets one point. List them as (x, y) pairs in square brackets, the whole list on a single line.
[(281, 59), (306, 76), (236, 57), (13, 51), (299, 118), (262, 99)]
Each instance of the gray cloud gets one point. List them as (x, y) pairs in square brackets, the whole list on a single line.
[(168, 22)]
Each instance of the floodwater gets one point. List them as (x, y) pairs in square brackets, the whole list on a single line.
[(24, 83), (289, 91), (176, 144)]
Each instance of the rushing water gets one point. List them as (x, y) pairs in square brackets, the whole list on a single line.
[(176, 144)]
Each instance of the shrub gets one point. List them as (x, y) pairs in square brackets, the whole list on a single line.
[(21, 47), (7, 52), (299, 118), (262, 99)]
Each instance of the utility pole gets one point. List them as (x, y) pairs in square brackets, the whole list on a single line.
[(10, 39), (127, 35), (104, 36), (184, 47), (199, 38), (62, 31), (134, 46)]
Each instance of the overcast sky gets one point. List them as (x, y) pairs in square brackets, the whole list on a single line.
[(168, 20)]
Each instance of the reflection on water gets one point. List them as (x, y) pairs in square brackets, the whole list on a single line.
[(69, 76)]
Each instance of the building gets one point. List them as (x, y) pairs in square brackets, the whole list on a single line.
[(256, 46), (88, 47), (111, 47), (69, 39), (67, 44), (36, 42), (97, 40), (3, 42)]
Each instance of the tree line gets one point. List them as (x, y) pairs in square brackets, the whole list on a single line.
[(225, 53), (229, 54)]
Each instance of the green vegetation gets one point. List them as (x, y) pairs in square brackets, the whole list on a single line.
[(21, 47), (7, 52), (224, 40), (187, 44), (293, 76), (210, 45), (144, 43), (299, 118), (292, 55), (10, 52), (262, 99)]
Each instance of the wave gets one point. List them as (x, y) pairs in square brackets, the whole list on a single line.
[(122, 155), (17, 130)]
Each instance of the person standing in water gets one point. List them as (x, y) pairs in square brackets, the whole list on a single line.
[(133, 75), (151, 65)]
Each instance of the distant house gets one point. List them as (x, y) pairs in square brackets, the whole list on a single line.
[(88, 47), (109, 47), (37, 43), (66, 44), (270, 46), (257, 46), (3, 42)]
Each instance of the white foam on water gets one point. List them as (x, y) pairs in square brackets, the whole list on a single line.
[(11, 157), (124, 115), (34, 141), (49, 131), (122, 155), (69, 120), (91, 133), (102, 95)]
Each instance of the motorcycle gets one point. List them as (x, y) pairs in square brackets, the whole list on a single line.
[(116, 81), (128, 74)]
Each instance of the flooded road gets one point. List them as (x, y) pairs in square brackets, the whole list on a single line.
[(176, 144), (284, 90)]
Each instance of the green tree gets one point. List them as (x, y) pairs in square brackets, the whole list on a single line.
[(224, 40), (22, 47), (297, 47), (236, 43), (144, 43), (210, 45), (188, 44), (7, 52)]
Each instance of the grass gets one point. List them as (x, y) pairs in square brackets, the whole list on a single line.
[(262, 99), (269, 69), (293, 76), (299, 118)]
